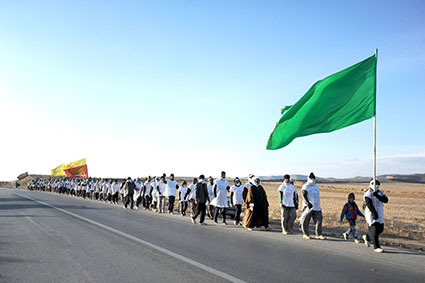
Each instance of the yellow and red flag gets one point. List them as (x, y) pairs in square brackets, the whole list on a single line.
[(74, 169), (77, 163), (79, 171), (58, 171)]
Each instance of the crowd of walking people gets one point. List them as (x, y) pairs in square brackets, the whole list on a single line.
[(213, 198)]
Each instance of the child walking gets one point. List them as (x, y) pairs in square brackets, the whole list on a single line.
[(350, 211), (183, 196)]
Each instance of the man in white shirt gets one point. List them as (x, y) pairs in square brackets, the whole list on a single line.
[(104, 190), (148, 193), (96, 191), (115, 190), (221, 187), (161, 195), (170, 192), (154, 185), (210, 187), (311, 208), (374, 214), (236, 199), (288, 199), (137, 192)]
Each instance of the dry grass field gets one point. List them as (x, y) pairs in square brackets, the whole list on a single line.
[(404, 213)]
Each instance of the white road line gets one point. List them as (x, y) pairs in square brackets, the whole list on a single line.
[(153, 246)]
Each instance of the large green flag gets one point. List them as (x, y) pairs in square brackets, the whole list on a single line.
[(340, 100)]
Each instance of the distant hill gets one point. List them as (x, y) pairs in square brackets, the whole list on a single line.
[(413, 178), (408, 178)]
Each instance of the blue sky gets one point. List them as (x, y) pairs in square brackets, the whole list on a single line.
[(191, 87)]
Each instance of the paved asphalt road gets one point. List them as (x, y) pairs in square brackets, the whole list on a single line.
[(46, 237)]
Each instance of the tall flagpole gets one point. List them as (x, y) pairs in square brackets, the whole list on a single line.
[(374, 126)]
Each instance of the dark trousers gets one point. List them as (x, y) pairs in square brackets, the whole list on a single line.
[(238, 213), (374, 231), (223, 213), (139, 201), (115, 198), (147, 201), (184, 207), (171, 203), (200, 209), (129, 200)]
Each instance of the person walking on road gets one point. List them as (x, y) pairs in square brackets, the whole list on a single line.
[(257, 206), (374, 214), (201, 198), (350, 211), (311, 208), (129, 187), (246, 186), (210, 187), (137, 197), (236, 199), (170, 193), (147, 193), (161, 194), (221, 187), (183, 195), (191, 196), (288, 200)]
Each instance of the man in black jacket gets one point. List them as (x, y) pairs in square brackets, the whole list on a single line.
[(201, 198), (129, 187)]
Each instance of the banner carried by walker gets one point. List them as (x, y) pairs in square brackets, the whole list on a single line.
[(74, 169), (79, 171), (58, 171)]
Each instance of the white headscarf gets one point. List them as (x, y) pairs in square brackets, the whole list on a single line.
[(250, 176), (254, 181), (311, 181), (371, 186)]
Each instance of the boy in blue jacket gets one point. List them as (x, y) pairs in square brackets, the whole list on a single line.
[(350, 211)]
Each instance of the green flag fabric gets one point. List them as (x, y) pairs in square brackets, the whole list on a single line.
[(340, 100)]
